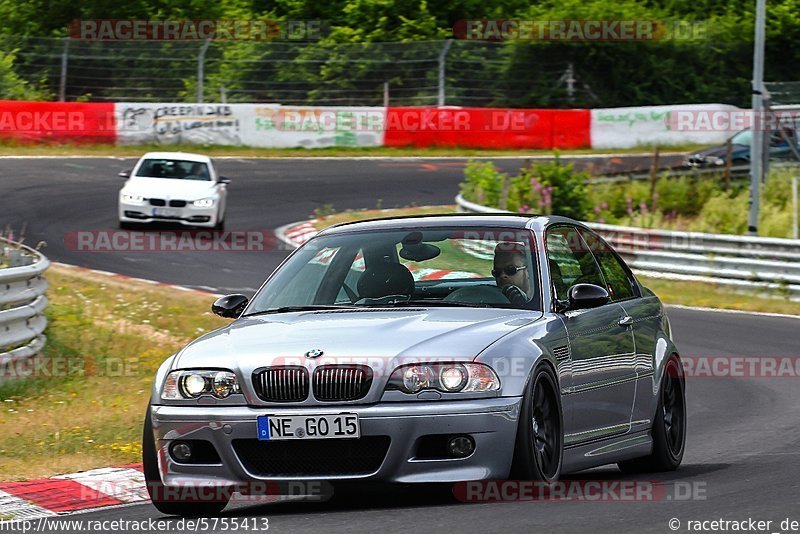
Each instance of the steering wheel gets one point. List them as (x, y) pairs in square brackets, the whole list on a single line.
[(515, 295)]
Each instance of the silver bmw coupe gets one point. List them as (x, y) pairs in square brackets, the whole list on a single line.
[(418, 350)]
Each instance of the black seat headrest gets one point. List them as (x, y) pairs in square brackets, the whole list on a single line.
[(385, 279)]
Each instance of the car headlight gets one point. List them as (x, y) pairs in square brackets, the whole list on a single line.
[(445, 377), (191, 384), (717, 161), (132, 199), (203, 203)]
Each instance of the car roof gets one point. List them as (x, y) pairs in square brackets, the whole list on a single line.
[(185, 156), (502, 220)]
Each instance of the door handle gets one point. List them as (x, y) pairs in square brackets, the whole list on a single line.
[(626, 321)]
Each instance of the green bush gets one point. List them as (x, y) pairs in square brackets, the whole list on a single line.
[(545, 188), (12, 87), (483, 183), (724, 214), (684, 202)]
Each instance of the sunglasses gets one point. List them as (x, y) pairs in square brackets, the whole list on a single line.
[(508, 270)]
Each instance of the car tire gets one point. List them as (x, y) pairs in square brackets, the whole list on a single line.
[(156, 488), (669, 425), (125, 225), (220, 224), (539, 447)]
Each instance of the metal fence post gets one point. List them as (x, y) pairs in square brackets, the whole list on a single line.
[(756, 144), (62, 85), (201, 59), (795, 229), (442, 59)]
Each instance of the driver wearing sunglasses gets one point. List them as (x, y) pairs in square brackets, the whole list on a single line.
[(511, 272)]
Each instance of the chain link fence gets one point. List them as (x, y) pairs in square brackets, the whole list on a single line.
[(420, 73), (453, 72)]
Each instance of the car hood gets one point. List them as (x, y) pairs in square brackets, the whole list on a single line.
[(169, 188), (383, 337)]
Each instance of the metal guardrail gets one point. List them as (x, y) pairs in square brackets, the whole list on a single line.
[(22, 302), (744, 261), (736, 171)]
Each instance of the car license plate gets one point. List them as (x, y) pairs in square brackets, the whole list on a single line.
[(342, 425), (162, 212)]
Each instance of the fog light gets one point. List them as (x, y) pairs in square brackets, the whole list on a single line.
[(460, 446), (181, 451)]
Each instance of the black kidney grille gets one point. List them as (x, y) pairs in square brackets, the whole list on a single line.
[(177, 203), (157, 202), (312, 457), (281, 384), (341, 382)]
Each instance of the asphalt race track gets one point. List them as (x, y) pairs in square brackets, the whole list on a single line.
[(743, 450)]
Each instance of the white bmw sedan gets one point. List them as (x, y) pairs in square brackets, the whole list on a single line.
[(173, 187)]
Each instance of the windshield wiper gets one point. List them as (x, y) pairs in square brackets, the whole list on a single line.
[(440, 303), (309, 307)]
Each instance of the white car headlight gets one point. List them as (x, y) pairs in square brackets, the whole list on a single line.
[(445, 377), (132, 199), (191, 384), (203, 203)]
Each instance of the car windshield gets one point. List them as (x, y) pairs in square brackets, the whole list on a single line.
[(174, 169), (744, 137), (458, 267)]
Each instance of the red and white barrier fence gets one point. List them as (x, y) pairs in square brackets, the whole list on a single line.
[(277, 126)]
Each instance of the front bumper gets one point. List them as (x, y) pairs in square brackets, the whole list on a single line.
[(188, 215), (492, 423)]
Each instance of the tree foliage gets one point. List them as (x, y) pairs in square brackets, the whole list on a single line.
[(715, 66)]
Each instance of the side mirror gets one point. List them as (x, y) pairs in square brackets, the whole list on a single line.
[(125, 174), (585, 296), (224, 180), (230, 306)]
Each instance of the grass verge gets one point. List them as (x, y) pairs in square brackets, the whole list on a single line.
[(85, 405), (247, 152), (699, 294)]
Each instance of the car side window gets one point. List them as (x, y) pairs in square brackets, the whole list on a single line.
[(620, 284), (570, 261)]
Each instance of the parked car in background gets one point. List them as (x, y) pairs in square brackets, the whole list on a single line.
[(173, 187), (716, 156)]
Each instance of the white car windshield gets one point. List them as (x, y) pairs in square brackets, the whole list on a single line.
[(432, 266), (174, 169)]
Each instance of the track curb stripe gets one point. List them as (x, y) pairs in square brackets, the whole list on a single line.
[(97, 488)]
